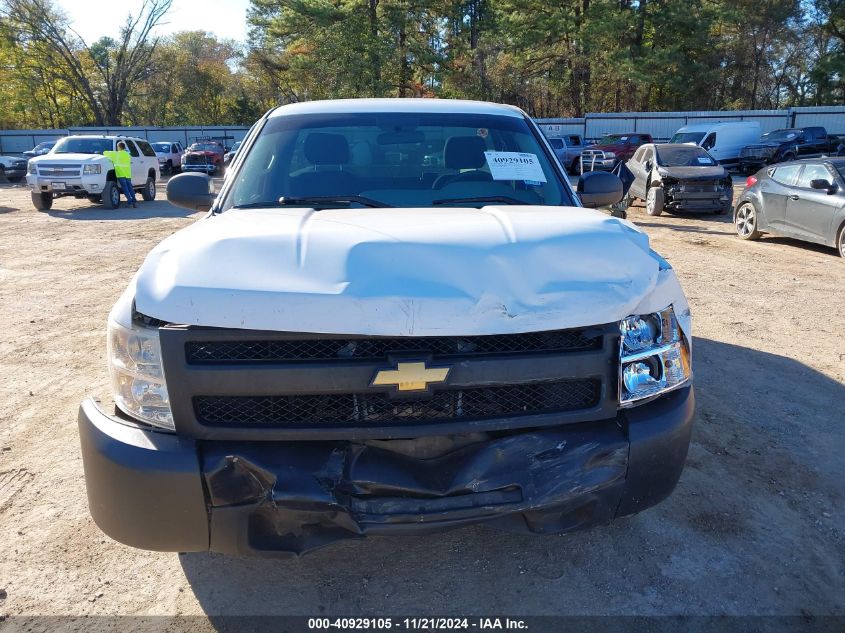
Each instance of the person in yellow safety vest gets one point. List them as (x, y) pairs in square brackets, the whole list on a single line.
[(122, 162)]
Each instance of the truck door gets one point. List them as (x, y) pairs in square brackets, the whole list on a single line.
[(775, 191), (139, 177), (810, 212)]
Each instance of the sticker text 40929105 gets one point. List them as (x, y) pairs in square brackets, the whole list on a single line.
[(514, 166)]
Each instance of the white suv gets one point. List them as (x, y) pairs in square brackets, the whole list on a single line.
[(76, 167)]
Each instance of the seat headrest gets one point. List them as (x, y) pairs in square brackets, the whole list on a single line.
[(326, 149), (464, 152)]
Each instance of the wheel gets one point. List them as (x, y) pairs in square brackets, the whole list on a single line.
[(745, 222), (722, 210), (42, 201), (575, 168), (111, 195), (169, 168), (220, 170), (840, 243), (148, 193), (654, 201), (15, 178)]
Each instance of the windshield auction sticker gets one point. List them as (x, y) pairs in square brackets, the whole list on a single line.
[(514, 166)]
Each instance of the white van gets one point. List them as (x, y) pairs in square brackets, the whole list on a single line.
[(722, 140)]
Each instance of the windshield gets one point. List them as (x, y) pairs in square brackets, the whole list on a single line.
[(164, 148), (43, 147), (687, 137), (841, 170), (204, 147), (71, 145), (396, 159), (613, 139), (686, 156), (780, 135)]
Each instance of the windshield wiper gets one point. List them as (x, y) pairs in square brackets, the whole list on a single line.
[(484, 199), (321, 200), (317, 201)]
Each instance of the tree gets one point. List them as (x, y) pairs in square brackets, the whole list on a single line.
[(103, 74)]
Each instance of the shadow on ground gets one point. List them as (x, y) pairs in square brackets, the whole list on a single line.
[(765, 456), (144, 211)]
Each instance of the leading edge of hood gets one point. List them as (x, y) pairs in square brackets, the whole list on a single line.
[(399, 272)]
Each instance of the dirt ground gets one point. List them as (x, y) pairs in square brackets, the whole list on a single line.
[(754, 527)]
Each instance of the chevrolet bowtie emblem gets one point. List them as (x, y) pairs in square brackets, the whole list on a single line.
[(411, 376)]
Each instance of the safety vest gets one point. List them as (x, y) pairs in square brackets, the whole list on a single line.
[(122, 162)]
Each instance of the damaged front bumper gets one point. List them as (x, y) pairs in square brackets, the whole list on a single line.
[(158, 491)]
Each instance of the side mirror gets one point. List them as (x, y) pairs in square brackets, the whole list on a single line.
[(599, 189), (826, 185), (191, 191)]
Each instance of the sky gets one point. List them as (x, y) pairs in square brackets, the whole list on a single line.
[(93, 19)]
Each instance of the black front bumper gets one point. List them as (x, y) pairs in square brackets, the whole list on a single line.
[(159, 491)]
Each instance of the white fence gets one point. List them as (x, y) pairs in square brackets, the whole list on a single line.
[(662, 125), (17, 141)]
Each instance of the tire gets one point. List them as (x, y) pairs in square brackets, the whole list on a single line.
[(148, 193), (840, 243), (169, 167), (654, 201), (111, 195), (220, 170), (745, 222), (42, 201), (15, 178), (722, 210), (575, 168)]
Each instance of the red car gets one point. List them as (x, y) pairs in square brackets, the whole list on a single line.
[(611, 150), (204, 156)]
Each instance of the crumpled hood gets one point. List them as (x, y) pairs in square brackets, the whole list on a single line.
[(710, 172), (399, 271)]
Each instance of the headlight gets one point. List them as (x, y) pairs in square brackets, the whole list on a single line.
[(136, 374), (609, 155), (654, 356), (91, 169), (30, 168)]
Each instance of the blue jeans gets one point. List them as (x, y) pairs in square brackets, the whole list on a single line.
[(128, 191)]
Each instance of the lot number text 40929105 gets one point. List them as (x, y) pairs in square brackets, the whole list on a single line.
[(418, 624)]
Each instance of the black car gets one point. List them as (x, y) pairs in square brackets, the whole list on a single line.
[(40, 149), (801, 199), (679, 177), (781, 146)]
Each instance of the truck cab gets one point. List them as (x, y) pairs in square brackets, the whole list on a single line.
[(356, 340)]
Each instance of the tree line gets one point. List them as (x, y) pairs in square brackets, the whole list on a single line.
[(561, 58)]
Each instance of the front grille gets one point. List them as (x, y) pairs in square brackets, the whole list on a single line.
[(754, 152), (356, 409), (198, 160), (707, 186), (377, 348), (68, 171)]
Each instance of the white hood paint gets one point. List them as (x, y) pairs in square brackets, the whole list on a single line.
[(67, 158), (405, 271)]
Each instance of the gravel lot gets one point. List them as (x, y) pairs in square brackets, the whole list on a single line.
[(754, 527)]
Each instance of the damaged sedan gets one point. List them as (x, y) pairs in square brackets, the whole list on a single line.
[(679, 177), (358, 341)]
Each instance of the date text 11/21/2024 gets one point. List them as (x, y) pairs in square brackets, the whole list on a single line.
[(417, 624)]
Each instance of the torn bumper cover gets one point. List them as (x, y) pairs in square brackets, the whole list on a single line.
[(158, 491)]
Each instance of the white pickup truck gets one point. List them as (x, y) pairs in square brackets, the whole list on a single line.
[(359, 340), (76, 167)]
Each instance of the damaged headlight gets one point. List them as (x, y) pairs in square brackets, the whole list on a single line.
[(136, 374), (654, 356)]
